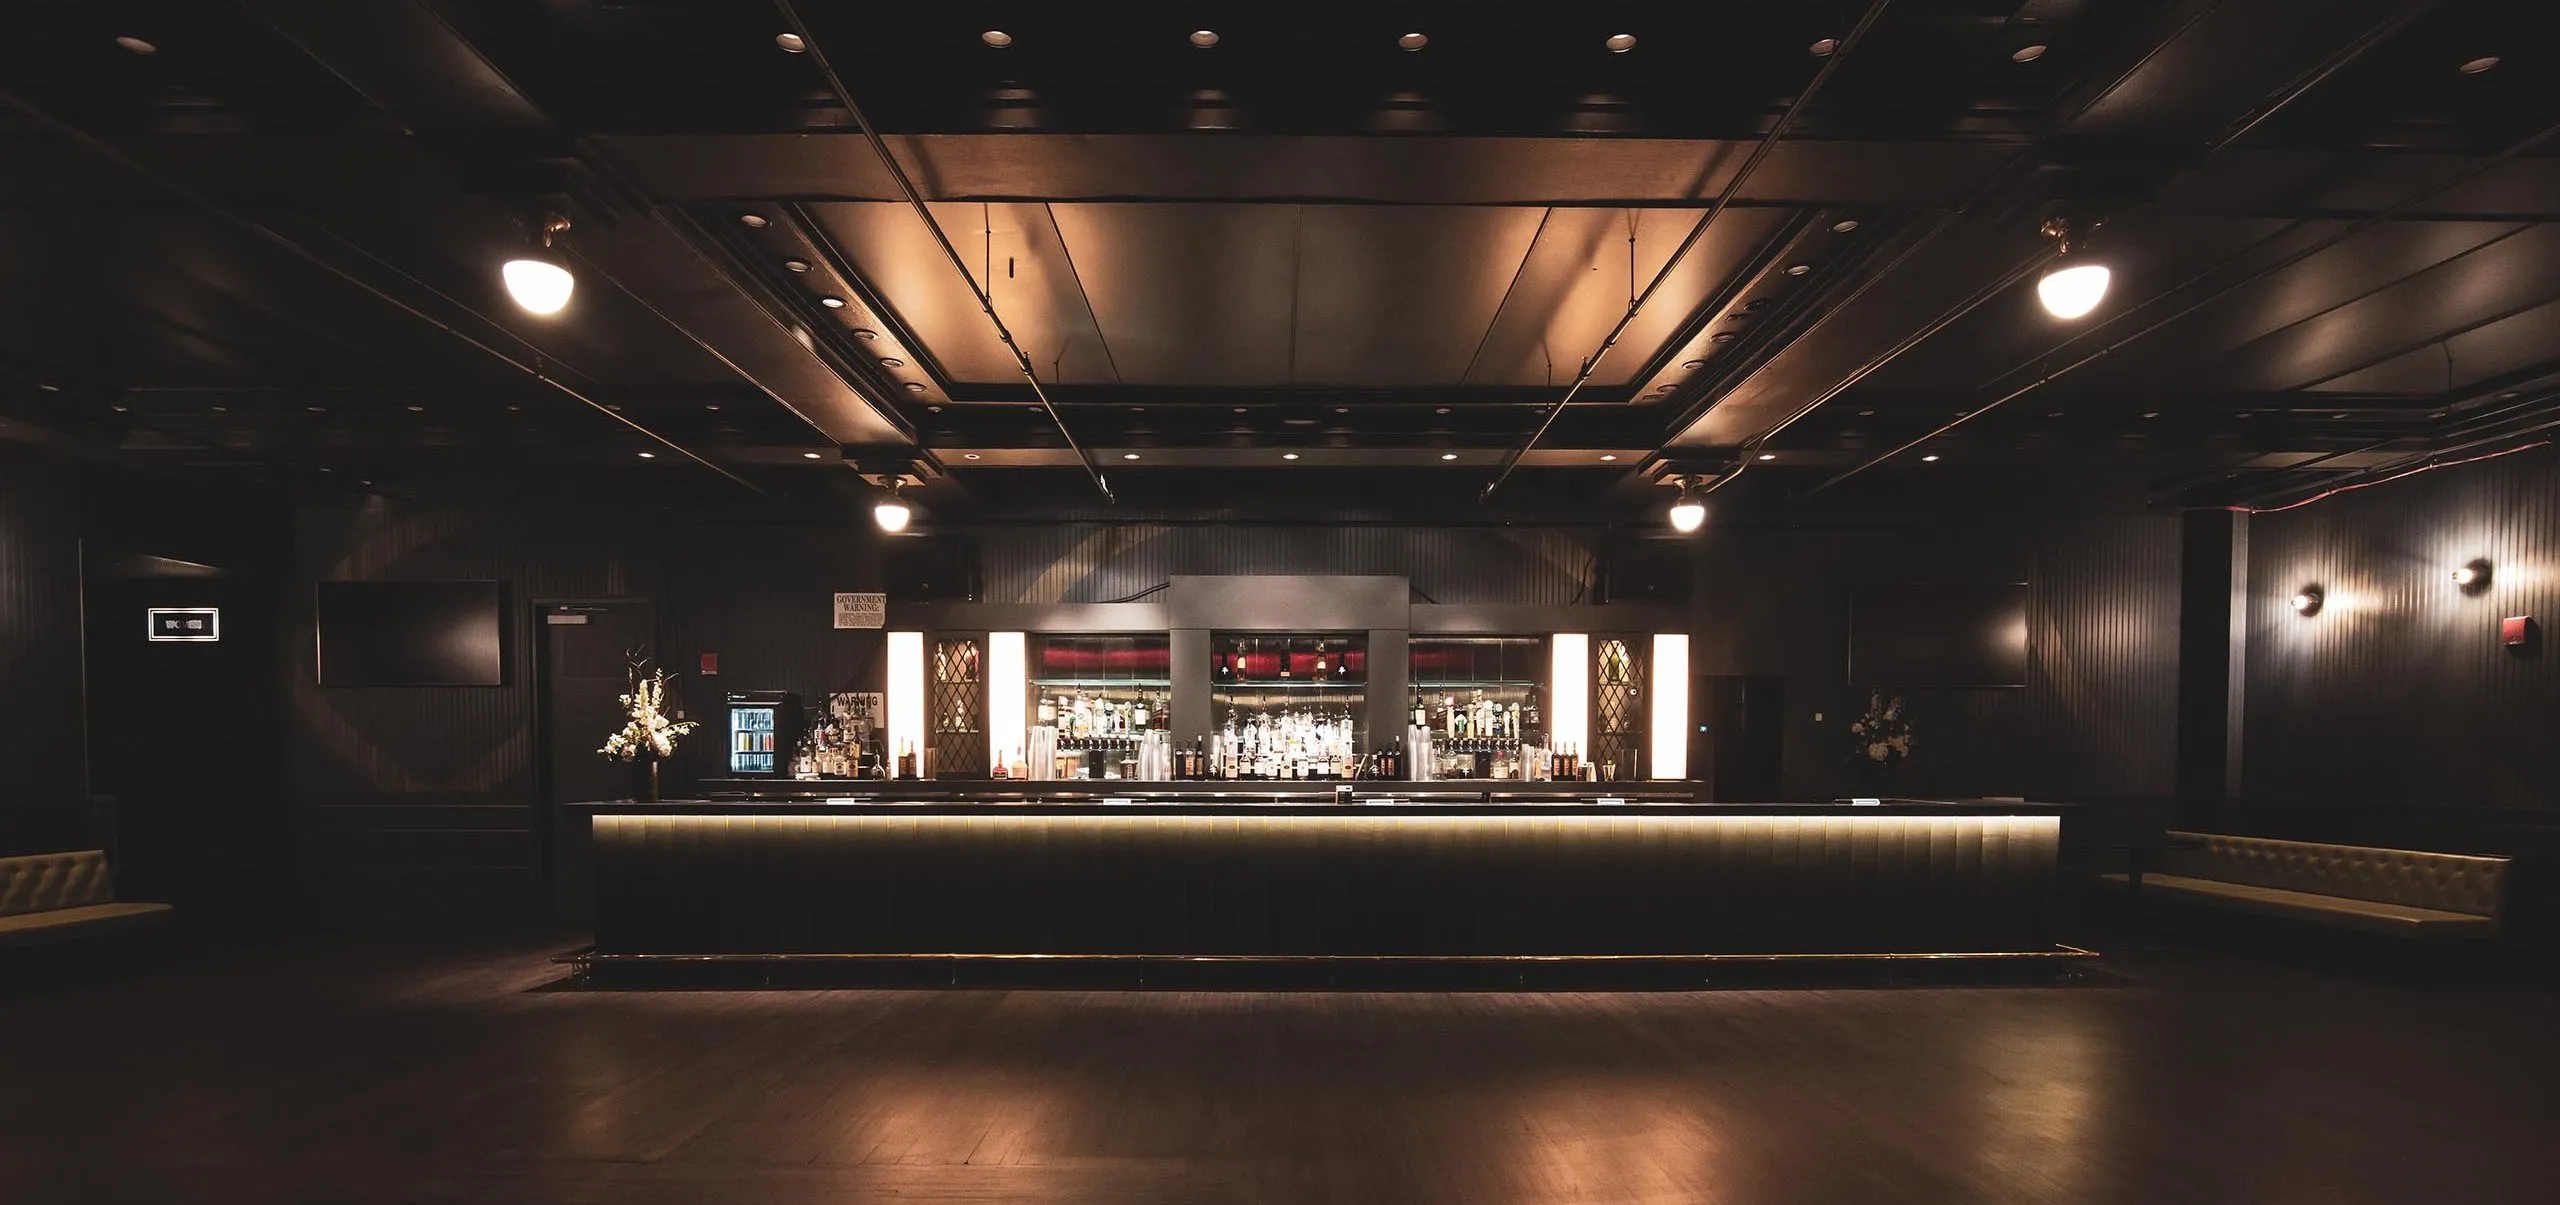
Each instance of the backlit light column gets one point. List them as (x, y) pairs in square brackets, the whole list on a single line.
[(1007, 685), (1569, 717), (906, 693), (1670, 752)]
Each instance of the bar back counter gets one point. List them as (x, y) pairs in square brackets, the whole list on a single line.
[(1275, 871)]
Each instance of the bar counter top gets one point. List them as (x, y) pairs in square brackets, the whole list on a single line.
[(1365, 802)]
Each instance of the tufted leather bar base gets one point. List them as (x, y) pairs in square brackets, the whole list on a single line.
[(47, 898), (2396, 892)]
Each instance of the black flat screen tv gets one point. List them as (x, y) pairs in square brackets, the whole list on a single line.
[(412, 634), (1938, 634)]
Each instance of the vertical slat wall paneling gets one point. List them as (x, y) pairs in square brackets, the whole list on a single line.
[(425, 797), (2395, 714), (41, 736), (2101, 706), (1086, 562), (2098, 715)]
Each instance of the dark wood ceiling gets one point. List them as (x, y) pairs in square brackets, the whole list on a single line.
[(271, 241)]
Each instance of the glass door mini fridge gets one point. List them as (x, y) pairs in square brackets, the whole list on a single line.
[(763, 730)]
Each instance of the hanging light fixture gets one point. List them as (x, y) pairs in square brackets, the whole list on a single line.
[(1688, 511), (2075, 282), (539, 281), (892, 512)]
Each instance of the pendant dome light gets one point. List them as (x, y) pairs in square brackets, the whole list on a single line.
[(1688, 511), (2076, 281), (538, 280), (892, 512)]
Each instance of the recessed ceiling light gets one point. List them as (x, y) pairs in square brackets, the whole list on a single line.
[(711, 405), (1414, 41), (938, 409), (892, 362), (1693, 365), (915, 386), (809, 456), (833, 303), (417, 409), (1823, 48), (1342, 409), (317, 409), (996, 38), (1722, 337), (1798, 269), (2509, 396), (50, 388), (120, 409), (865, 333), (2028, 53), (222, 409), (790, 42), (2337, 416), (2150, 414), (2435, 414), (1239, 409), (1128, 456), (648, 456), (1441, 410), (1204, 38), (1866, 414), (1608, 456), (2058, 414), (968, 456), (1620, 43), (796, 265), (1844, 225), (1931, 458), (138, 46), (1768, 456), (1293, 455), (753, 221), (1448, 456), (2474, 67), (615, 409)]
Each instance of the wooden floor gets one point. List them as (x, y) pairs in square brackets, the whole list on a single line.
[(329, 1072)]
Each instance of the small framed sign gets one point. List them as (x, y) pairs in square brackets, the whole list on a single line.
[(185, 625), (862, 611)]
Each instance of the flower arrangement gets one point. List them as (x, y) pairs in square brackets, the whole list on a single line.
[(649, 734), (1882, 735)]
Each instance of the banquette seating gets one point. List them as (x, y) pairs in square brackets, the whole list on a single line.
[(2396, 892), (47, 898)]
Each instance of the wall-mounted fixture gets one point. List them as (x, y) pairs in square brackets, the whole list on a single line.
[(2306, 601), (538, 280), (2519, 633), (1669, 752), (1569, 712), (2076, 281), (905, 689), (2473, 576)]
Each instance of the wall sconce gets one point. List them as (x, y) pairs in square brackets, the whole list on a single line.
[(2306, 601), (2473, 577)]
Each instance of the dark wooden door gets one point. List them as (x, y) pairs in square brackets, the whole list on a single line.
[(587, 652)]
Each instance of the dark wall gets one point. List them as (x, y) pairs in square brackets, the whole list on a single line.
[(2099, 709), (430, 794), (1095, 562), (43, 758), (2395, 714)]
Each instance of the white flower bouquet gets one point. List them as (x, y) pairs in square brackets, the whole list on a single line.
[(1882, 735), (648, 733)]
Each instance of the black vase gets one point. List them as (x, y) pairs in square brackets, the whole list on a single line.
[(644, 780)]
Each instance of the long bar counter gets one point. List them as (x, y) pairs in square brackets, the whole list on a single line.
[(1493, 871)]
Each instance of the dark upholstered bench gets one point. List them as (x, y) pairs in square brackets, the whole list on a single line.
[(2397, 892), (47, 898)]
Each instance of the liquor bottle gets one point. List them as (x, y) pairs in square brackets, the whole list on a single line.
[(1000, 773), (1420, 720)]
